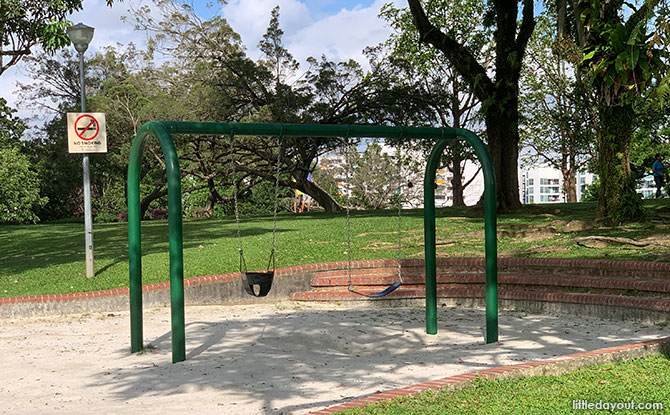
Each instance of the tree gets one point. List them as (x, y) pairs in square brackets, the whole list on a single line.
[(499, 95), (19, 184), (209, 57), (27, 23), (625, 53), (19, 188), (558, 123), (118, 84), (375, 179), (367, 180), (439, 96), (11, 127)]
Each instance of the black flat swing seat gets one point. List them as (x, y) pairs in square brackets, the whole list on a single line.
[(260, 279), (386, 291)]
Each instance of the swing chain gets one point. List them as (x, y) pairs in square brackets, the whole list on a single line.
[(400, 182), (237, 213), (280, 144), (347, 180)]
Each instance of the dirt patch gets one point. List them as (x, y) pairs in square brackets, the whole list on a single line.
[(599, 241), (270, 359), (531, 251), (410, 242)]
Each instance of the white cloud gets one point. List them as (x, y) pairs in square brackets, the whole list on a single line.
[(109, 27), (308, 30), (250, 19), (341, 36)]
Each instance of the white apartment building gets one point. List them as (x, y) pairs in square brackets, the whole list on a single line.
[(648, 187), (541, 185), (444, 195), (545, 185)]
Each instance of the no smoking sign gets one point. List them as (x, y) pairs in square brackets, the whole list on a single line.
[(86, 132)]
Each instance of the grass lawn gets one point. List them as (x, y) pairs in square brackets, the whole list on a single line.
[(49, 258), (642, 380)]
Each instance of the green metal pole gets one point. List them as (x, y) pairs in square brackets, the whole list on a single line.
[(429, 235), (313, 130), (490, 236), (491, 249), (134, 240), (491, 243), (175, 237)]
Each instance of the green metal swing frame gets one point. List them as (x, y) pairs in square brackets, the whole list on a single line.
[(163, 131)]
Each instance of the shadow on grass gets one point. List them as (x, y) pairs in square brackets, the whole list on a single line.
[(44, 246)]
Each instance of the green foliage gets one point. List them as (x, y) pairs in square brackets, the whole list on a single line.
[(328, 180), (60, 173), (624, 55), (592, 191), (277, 58), (641, 380), (262, 199), (631, 203), (557, 115), (11, 127), (28, 23), (111, 203), (374, 179), (424, 81), (49, 258), (19, 188), (652, 136)]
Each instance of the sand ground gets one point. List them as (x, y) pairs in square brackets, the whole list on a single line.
[(283, 358)]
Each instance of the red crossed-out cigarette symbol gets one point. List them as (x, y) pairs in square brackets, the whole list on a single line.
[(84, 124)]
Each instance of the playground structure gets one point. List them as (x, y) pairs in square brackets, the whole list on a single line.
[(163, 130)]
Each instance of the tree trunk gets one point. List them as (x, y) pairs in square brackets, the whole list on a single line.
[(617, 191), (500, 98), (457, 180), (212, 199), (502, 131), (323, 198), (569, 170), (146, 201), (569, 184)]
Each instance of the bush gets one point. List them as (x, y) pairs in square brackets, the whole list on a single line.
[(158, 214), (19, 188), (112, 201), (592, 191), (631, 202)]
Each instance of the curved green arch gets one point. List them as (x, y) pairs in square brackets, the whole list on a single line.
[(490, 247), (163, 130)]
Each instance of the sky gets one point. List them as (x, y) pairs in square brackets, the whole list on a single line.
[(340, 29)]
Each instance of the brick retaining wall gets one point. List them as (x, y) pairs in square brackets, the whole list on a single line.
[(609, 288)]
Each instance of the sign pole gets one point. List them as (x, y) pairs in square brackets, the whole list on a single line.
[(88, 217)]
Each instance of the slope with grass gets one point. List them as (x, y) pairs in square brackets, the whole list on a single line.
[(644, 381), (49, 258)]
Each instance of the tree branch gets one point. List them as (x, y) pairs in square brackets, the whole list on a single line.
[(465, 63), (526, 31)]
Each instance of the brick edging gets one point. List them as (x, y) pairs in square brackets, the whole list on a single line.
[(362, 264), (554, 366)]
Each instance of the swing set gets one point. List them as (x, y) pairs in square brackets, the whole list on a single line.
[(259, 283)]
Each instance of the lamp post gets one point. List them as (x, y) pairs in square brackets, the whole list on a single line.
[(81, 36)]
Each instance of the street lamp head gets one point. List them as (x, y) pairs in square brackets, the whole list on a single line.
[(81, 36)]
